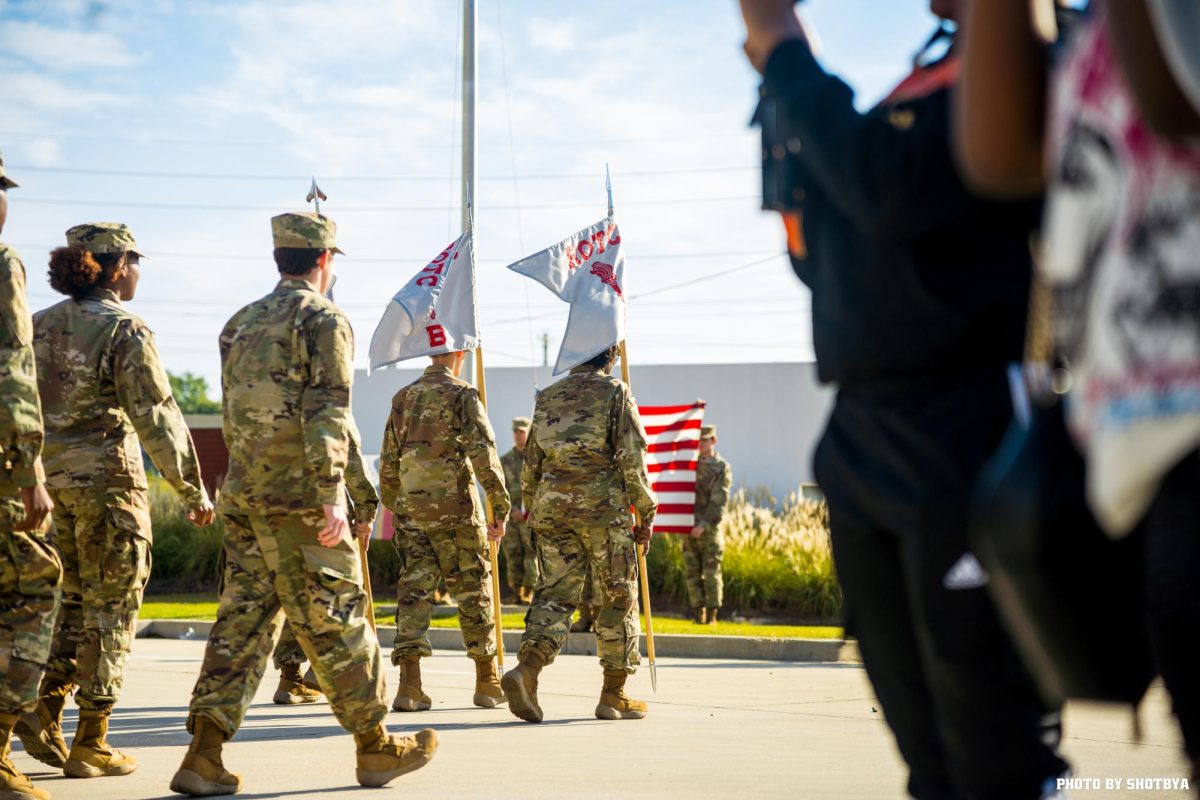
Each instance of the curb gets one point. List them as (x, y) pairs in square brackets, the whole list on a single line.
[(669, 645)]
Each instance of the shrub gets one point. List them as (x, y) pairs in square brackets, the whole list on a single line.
[(184, 557)]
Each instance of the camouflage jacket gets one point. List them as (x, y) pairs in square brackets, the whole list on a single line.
[(364, 500), (104, 397), (436, 442), (585, 461), (285, 378), (713, 478), (513, 461), (20, 408)]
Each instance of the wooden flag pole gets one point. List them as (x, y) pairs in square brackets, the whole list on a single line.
[(641, 557), (493, 547), (366, 569)]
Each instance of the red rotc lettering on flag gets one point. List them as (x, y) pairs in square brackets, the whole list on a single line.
[(578, 253), (437, 335), (673, 446)]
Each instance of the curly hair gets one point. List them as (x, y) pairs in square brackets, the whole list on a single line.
[(605, 359), (76, 272)]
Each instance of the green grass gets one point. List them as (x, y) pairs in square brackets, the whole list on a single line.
[(204, 607), (778, 561)]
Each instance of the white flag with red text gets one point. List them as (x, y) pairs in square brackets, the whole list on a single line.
[(435, 311), (587, 269), (673, 442)]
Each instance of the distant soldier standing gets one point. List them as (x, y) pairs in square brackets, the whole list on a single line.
[(288, 657), (522, 569), (285, 376), (105, 396), (703, 549), (437, 441), (30, 569), (584, 467)]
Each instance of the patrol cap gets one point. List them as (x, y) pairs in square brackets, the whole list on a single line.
[(522, 423), (103, 237), (305, 230), (708, 431), (5, 181)]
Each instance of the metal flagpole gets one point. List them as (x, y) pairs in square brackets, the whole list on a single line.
[(641, 556), (315, 196), (469, 90)]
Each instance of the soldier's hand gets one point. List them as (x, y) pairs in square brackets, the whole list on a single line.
[(337, 527), (696, 531), (202, 515), (769, 23), (642, 534), (38, 506), (495, 531), (363, 531)]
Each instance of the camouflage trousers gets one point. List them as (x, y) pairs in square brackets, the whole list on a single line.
[(30, 587), (275, 562), (520, 558), (702, 561), (104, 538), (461, 557), (288, 652), (565, 555)]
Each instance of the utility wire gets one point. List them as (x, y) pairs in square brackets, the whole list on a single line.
[(68, 202)]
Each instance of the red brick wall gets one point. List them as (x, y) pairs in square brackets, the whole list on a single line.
[(214, 457)]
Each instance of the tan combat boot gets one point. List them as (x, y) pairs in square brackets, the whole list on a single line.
[(292, 691), (409, 696), (520, 687), (13, 784), (524, 595), (614, 703), (488, 693), (41, 729), (700, 615), (587, 615), (382, 757), (91, 755), (712, 616), (310, 680), (202, 774)]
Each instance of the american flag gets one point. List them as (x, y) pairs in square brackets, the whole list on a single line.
[(673, 436)]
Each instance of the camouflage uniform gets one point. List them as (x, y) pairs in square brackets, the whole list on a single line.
[(584, 468), (437, 441), (364, 501), (286, 374), (519, 554), (702, 554), (104, 397), (30, 568)]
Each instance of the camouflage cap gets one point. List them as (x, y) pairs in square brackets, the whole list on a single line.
[(305, 230), (522, 423), (5, 181), (708, 431), (104, 237)]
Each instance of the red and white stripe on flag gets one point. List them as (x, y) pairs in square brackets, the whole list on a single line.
[(673, 441)]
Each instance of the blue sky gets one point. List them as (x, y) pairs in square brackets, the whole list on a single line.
[(112, 108)]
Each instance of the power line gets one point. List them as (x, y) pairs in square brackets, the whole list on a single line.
[(297, 178)]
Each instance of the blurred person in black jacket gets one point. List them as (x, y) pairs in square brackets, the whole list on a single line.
[(919, 294)]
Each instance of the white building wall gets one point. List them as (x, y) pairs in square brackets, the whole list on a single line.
[(769, 416)]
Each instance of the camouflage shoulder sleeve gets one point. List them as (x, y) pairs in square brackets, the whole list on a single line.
[(531, 472), (480, 446), (359, 488), (325, 402), (389, 466), (20, 409), (145, 394), (718, 494), (629, 446)]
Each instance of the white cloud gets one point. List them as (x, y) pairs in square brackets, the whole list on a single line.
[(64, 50), (42, 152), (40, 92)]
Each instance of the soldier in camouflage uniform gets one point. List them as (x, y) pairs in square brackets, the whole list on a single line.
[(584, 467), (30, 568), (702, 550), (285, 376), (519, 555), (289, 655), (436, 443), (104, 396)]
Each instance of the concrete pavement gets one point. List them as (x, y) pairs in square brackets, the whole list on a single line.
[(727, 729)]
